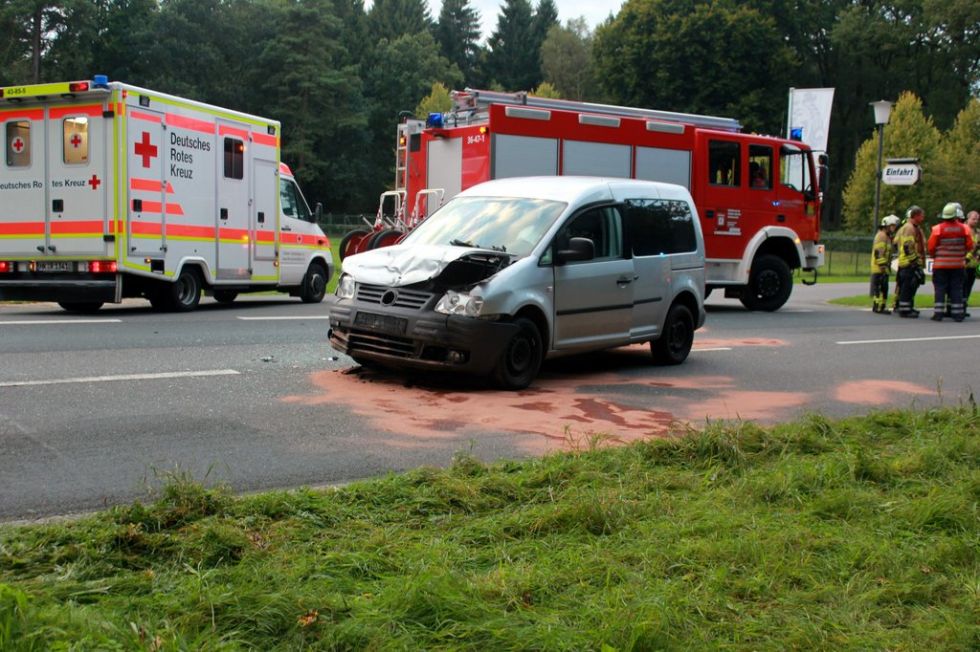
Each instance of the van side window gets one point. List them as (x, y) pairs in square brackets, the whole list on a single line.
[(234, 158), (724, 159), (660, 226), (18, 144), (760, 167), (603, 226), (75, 132)]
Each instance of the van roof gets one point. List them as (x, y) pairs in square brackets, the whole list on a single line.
[(574, 190)]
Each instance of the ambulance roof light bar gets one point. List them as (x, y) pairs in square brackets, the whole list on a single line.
[(477, 100)]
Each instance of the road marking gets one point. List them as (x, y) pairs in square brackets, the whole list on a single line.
[(289, 318), (109, 379), (39, 322), (914, 339), (717, 348)]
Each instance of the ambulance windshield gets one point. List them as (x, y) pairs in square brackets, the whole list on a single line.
[(508, 225)]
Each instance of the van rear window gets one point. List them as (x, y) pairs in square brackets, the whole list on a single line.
[(18, 139), (660, 226), (75, 132)]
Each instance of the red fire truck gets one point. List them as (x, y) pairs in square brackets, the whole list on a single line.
[(756, 195)]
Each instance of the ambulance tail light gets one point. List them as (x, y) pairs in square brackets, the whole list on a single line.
[(78, 87), (102, 267), (6, 267)]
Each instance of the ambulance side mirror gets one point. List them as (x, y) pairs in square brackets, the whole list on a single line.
[(318, 213)]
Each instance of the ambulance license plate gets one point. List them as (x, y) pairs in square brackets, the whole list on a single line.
[(54, 266), (382, 323)]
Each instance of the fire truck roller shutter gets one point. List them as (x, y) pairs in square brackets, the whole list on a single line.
[(596, 159), (669, 165), (524, 156), (445, 163)]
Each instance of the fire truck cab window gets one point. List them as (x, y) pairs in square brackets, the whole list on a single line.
[(603, 226), (724, 167), (234, 158), (18, 144), (760, 167), (293, 204), (660, 226), (75, 132)]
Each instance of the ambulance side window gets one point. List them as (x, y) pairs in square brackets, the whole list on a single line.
[(234, 159), (18, 144), (292, 202), (75, 132), (724, 168)]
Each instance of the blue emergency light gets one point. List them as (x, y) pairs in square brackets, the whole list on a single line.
[(434, 121), (796, 133), (100, 81)]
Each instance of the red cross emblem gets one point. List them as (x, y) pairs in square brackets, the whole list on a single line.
[(146, 149), (75, 141), (18, 144), (94, 182)]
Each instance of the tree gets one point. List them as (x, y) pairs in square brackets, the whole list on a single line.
[(955, 166), (545, 89), (909, 133), (438, 101), (458, 33), (566, 60), (391, 19), (513, 55)]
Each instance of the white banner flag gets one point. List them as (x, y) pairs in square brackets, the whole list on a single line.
[(809, 116)]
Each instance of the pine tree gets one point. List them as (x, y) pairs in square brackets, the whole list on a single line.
[(391, 19), (513, 56), (458, 34)]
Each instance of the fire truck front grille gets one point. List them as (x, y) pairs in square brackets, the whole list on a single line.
[(397, 297), (359, 340)]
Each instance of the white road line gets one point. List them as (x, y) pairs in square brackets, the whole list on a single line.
[(109, 379), (40, 322), (717, 348), (914, 339), (289, 318)]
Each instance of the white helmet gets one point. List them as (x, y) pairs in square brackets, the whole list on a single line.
[(890, 220), (952, 210)]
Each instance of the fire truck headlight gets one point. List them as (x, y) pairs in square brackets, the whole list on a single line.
[(345, 287), (460, 303)]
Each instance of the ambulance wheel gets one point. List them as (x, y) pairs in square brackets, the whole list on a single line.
[(314, 284), (770, 284), (385, 238), (84, 307), (674, 343), (351, 243), (521, 358), (182, 295), (225, 296)]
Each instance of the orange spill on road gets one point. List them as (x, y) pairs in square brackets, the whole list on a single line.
[(877, 392)]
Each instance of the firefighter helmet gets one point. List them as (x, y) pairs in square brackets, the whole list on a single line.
[(913, 210), (951, 210), (890, 220)]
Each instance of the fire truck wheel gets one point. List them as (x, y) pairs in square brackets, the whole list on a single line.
[(351, 243), (521, 359), (81, 306), (769, 286), (225, 296), (314, 284), (674, 344), (385, 238)]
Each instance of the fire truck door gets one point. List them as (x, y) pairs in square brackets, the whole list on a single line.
[(262, 229), (22, 191), (234, 250), (147, 199), (77, 181), (445, 163)]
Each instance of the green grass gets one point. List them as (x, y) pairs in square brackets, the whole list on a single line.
[(923, 299), (857, 534)]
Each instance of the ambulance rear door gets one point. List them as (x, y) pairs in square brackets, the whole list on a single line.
[(22, 183)]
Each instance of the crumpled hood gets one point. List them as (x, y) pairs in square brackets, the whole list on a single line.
[(402, 265)]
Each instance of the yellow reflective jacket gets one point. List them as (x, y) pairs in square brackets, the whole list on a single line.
[(881, 253), (911, 246), (973, 257)]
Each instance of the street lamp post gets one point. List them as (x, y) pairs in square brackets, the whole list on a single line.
[(883, 111)]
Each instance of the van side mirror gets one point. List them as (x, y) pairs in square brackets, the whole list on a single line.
[(578, 249), (318, 213)]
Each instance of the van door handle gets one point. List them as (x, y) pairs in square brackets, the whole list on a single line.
[(285, 228), (624, 280)]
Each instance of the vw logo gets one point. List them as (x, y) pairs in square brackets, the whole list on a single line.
[(389, 297)]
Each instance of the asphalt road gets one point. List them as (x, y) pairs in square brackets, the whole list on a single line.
[(99, 410)]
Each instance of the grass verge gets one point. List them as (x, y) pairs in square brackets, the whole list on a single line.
[(855, 534), (924, 300)]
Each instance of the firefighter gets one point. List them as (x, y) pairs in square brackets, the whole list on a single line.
[(911, 245), (972, 258), (949, 243), (881, 258)]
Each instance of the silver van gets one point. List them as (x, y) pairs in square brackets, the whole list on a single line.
[(513, 271)]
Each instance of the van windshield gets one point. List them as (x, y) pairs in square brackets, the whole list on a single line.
[(505, 224)]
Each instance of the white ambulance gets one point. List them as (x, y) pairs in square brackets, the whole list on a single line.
[(110, 191)]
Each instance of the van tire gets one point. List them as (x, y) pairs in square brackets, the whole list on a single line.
[(351, 243), (182, 295), (82, 307), (314, 286), (770, 284), (677, 337), (225, 296), (521, 358)]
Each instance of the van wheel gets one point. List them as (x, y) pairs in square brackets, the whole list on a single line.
[(521, 358), (182, 295), (350, 244), (674, 343), (385, 238), (314, 286), (769, 286), (225, 296), (83, 307)]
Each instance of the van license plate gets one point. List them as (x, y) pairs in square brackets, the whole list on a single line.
[(54, 266), (383, 323)]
